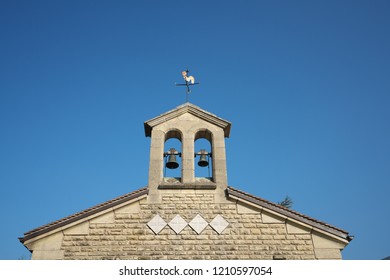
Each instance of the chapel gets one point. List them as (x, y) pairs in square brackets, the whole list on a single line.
[(187, 217)]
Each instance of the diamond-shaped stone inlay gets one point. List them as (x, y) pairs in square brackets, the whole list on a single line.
[(219, 224), (198, 224), (177, 224), (156, 224)]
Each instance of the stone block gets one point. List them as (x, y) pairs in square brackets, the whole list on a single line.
[(105, 218), (50, 243), (328, 254), (48, 255), (130, 208), (80, 229), (244, 209), (322, 242), (294, 228), (270, 218)]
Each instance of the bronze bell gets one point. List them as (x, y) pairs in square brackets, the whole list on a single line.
[(171, 162), (203, 162)]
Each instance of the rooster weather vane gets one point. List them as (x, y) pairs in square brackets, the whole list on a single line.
[(189, 81)]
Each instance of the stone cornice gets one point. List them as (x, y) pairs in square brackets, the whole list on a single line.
[(187, 108)]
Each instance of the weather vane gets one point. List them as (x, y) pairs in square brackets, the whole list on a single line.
[(189, 81)]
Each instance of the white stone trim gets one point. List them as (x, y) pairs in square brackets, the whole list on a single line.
[(177, 224), (219, 224), (156, 224), (198, 224)]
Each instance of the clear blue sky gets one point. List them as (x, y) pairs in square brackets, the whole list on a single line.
[(304, 83)]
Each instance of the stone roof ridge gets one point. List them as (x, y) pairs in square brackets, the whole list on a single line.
[(188, 105), (83, 214), (289, 213), (187, 108)]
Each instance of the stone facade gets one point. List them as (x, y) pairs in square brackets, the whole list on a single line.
[(187, 218), (123, 233)]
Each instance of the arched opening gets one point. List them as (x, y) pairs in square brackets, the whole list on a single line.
[(172, 155), (203, 154)]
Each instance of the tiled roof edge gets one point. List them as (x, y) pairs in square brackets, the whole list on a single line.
[(83, 214), (289, 213)]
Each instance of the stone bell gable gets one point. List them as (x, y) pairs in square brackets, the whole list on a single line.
[(187, 217), (187, 123)]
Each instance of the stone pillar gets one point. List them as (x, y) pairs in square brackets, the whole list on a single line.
[(219, 159), (188, 169), (156, 161), (219, 165)]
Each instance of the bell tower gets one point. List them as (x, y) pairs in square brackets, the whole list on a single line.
[(187, 123)]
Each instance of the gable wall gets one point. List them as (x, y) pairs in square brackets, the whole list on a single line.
[(123, 234)]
